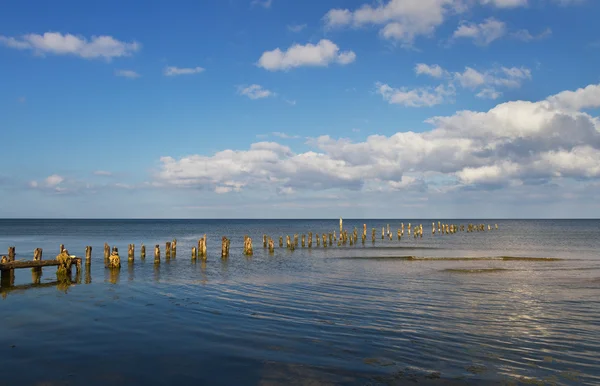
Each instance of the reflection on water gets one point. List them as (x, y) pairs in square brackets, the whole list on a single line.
[(341, 315)]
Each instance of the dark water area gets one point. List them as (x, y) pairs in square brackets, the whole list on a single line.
[(517, 305)]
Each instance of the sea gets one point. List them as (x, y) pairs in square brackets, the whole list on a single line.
[(519, 304)]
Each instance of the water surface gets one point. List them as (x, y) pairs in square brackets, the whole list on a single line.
[(515, 305)]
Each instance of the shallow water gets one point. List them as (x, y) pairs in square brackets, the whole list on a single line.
[(515, 305)]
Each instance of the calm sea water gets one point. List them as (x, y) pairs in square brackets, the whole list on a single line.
[(457, 313)]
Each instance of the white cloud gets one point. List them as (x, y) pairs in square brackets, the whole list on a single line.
[(506, 3), (296, 27), (284, 135), (418, 97), (56, 43), (486, 82), (514, 144), (102, 173), (262, 3), (483, 33), (290, 102), (127, 74), (402, 20), (255, 91), (321, 54), (526, 36), (434, 70), (54, 180), (173, 71)]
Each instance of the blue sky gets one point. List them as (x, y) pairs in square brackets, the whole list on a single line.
[(281, 108)]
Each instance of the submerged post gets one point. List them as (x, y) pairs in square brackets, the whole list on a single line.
[(310, 239), (37, 254), (157, 254), (11, 254), (341, 225), (303, 241), (194, 253), (114, 261), (106, 252), (248, 246), (373, 235), (174, 248), (168, 250), (88, 254), (271, 245), (131, 252), (280, 241), (264, 241), (318, 240), (225, 247), (143, 251)]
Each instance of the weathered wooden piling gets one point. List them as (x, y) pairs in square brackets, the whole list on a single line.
[(295, 240), (280, 241), (330, 239), (168, 250), (382, 233), (225, 246), (248, 246), (88, 255), (157, 253), (373, 235), (131, 252), (194, 253), (202, 247), (303, 241), (37, 254), (114, 261), (143, 251), (288, 242), (106, 252), (61, 248), (271, 245), (325, 240), (341, 225), (11, 254), (399, 235), (310, 239), (335, 236), (174, 248), (318, 240), (264, 241)]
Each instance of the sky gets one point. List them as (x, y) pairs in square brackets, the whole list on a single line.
[(300, 109)]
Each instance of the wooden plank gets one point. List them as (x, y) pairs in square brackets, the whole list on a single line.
[(33, 264)]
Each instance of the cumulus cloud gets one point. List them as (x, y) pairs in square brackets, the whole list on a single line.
[(514, 144), (255, 91), (321, 54), (174, 71), (485, 83), (55, 43), (526, 36), (296, 27), (401, 20), (262, 3), (483, 33), (417, 97), (506, 3), (127, 74)]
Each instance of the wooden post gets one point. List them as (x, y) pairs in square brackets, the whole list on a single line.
[(271, 245), (296, 240), (280, 241), (88, 255), (174, 248), (194, 253), (37, 254), (62, 248), (382, 233), (157, 253), (248, 246), (114, 261), (131, 252), (143, 251), (11, 254), (330, 239), (288, 242), (399, 235), (106, 252), (335, 236), (202, 247), (310, 239), (264, 241), (373, 235), (225, 247), (341, 227), (303, 241), (168, 250), (318, 240), (325, 240)]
